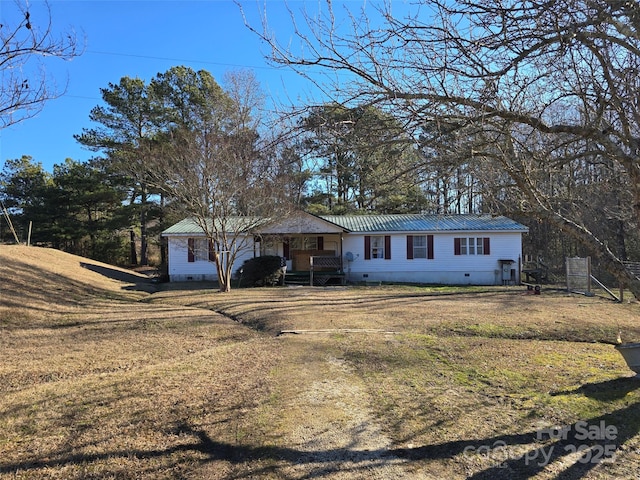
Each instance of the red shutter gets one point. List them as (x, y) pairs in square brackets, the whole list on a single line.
[(486, 246), (430, 247), (456, 246), (367, 247), (409, 247), (286, 252), (212, 252), (191, 244), (320, 243), (387, 247)]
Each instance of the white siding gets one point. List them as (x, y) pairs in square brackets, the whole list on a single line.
[(181, 270), (444, 268)]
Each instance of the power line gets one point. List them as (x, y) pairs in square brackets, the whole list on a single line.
[(151, 57)]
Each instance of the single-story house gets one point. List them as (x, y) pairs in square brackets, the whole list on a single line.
[(404, 248)]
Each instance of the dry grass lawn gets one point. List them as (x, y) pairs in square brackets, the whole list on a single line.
[(106, 375)]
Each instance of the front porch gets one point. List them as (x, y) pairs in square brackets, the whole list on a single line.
[(310, 259), (311, 247)]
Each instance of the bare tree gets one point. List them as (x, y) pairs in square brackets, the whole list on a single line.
[(214, 164), (531, 87), (24, 83)]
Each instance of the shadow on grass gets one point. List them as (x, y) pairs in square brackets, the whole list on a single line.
[(595, 441), (609, 390), (140, 282), (578, 448)]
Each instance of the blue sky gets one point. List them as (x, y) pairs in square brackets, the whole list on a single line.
[(141, 39)]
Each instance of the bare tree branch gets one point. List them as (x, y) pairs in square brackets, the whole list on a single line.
[(24, 83), (533, 87)]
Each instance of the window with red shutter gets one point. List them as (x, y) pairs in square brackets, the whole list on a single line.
[(377, 246), (419, 246)]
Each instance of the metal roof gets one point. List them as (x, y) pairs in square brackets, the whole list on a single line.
[(424, 223), (377, 223), (189, 226)]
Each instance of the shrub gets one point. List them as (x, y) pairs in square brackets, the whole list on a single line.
[(261, 271)]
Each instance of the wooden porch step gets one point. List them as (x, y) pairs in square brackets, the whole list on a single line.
[(297, 278)]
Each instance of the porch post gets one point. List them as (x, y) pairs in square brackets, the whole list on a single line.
[(341, 259), (311, 270)]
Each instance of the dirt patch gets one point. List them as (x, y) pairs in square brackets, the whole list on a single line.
[(332, 427)]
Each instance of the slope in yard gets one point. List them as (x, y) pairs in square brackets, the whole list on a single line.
[(47, 280), (99, 382)]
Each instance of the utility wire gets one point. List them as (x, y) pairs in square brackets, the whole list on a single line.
[(151, 57)]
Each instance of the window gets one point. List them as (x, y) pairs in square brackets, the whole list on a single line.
[(419, 246), (471, 246), (304, 243), (268, 247), (377, 246), (198, 250)]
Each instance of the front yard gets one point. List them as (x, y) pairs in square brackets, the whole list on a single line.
[(378, 382)]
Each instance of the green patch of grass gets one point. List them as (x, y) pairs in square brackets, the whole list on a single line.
[(524, 331), (415, 380)]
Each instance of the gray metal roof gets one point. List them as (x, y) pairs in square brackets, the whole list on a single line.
[(424, 223), (377, 223), (184, 227), (189, 226)]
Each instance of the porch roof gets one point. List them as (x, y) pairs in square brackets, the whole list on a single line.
[(302, 223)]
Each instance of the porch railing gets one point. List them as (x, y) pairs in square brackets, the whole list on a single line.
[(324, 268)]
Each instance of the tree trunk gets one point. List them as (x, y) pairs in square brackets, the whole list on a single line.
[(225, 286), (144, 259), (163, 242), (132, 248), (224, 274), (163, 253), (621, 239)]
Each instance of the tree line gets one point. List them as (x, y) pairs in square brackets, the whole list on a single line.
[(181, 144)]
